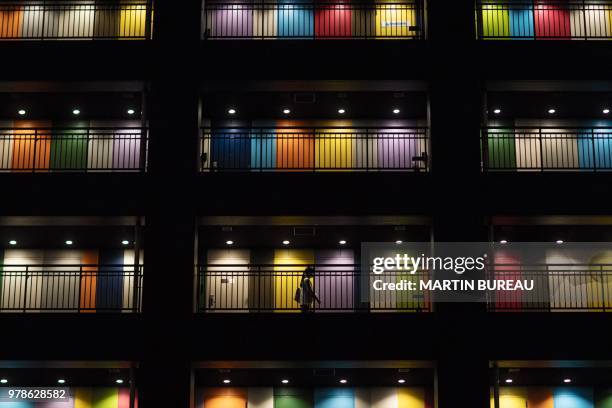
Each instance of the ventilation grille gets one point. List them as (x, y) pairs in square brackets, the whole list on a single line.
[(304, 97), (304, 231)]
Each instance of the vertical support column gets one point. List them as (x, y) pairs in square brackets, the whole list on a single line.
[(170, 218)]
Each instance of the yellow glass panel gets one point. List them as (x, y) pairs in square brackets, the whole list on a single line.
[(289, 264), (411, 398), (395, 20)]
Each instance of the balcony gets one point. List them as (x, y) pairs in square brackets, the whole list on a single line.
[(299, 149), (75, 20), (544, 20), (44, 150), (546, 149), (314, 21)]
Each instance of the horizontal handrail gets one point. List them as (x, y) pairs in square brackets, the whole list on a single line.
[(313, 20)]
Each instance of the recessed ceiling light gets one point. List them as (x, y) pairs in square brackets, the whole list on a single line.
[(342, 242), (396, 111), (131, 111), (69, 242), (21, 112), (229, 242), (552, 111), (231, 111), (606, 111), (227, 381), (119, 381), (12, 242), (497, 111), (399, 241), (61, 381), (567, 380), (286, 242), (508, 380), (343, 381), (503, 241), (3, 381), (341, 111), (76, 112), (285, 381), (401, 381), (559, 241), (286, 111), (125, 242)]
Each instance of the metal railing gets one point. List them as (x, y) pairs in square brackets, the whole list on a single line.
[(557, 287), (313, 20), (542, 19), (73, 150), (314, 149), (272, 288), (79, 20), (70, 288), (539, 149)]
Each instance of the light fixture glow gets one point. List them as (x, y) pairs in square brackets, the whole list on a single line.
[(61, 381), (559, 241), (119, 381), (76, 112), (497, 111), (401, 381), (503, 241), (343, 381), (12, 242), (285, 381), (567, 380), (231, 111), (131, 111), (396, 111), (226, 381), (508, 380), (3, 381), (125, 242), (69, 242), (286, 242), (286, 111), (229, 242), (342, 242), (552, 111), (21, 112), (399, 241), (606, 111), (341, 111)]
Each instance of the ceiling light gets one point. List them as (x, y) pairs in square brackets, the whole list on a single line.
[(231, 111), (503, 241), (552, 111), (399, 241), (343, 381), (567, 380), (286, 242), (76, 111), (401, 381), (61, 381), (12, 242), (21, 112), (508, 380), (285, 381), (69, 242), (497, 111), (3, 381), (229, 242), (131, 111), (342, 242), (396, 111), (286, 111), (226, 381), (559, 241), (119, 381), (606, 111), (125, 242), (341, 111)]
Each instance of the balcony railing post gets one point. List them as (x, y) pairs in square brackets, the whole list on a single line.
[(149, 20), (603, 288), (80, 288), (541, 150), (484, 140), (34, 158), (25, 289), (593, 150), (142, 157), (479, 17)]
